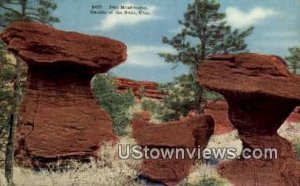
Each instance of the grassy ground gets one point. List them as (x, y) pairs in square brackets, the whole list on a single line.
[(109, 170)]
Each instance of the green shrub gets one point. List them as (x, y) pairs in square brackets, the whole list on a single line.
[(208, 182), (150, 106), (116, 104), (7, 75), (211, 95), (297, 149)]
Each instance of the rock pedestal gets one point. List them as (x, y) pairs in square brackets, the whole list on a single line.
[(189, 133), (59, 118), (261, 94)]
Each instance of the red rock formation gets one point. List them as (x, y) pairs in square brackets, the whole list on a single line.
[(139, 88), (261, 93), (40, 45), (59, 118), (191, 132), (219, 112)]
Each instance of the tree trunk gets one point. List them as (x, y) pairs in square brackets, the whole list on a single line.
[(9, 156), (198, 92), (23, 8), (199, 99), (295, 67), (13, 121)]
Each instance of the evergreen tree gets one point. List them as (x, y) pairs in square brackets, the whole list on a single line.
[(10, 11), (179, 100), (294, 60), (204, 33), (35, 10)]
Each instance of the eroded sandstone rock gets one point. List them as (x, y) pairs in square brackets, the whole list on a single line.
[(219, 112), (38, 44), (191, 132), (261, 93), (147, 89), (59, 118)]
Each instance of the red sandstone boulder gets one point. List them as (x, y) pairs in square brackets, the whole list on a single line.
[(140, 88), (42, 45), (250, 74), (59, 117), (219, 112), (188, 133), (261, 94)]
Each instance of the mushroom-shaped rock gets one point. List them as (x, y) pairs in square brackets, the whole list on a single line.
[(191, 133), (42, 45), (59, 117), (261, 93)]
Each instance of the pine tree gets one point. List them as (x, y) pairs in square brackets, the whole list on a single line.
[(26, 10), (204, 33), (10, 11), (294, 60), (179, 100)]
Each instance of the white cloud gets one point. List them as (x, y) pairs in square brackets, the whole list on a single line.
[(239, 19), (113, 20), (146, 55)]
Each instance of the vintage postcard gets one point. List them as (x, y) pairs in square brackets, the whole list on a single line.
[(148, 92)]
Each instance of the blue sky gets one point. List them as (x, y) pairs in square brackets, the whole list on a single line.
[(276, 22)]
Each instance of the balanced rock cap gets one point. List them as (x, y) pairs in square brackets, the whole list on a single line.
[(39, 44), (249, 73)]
